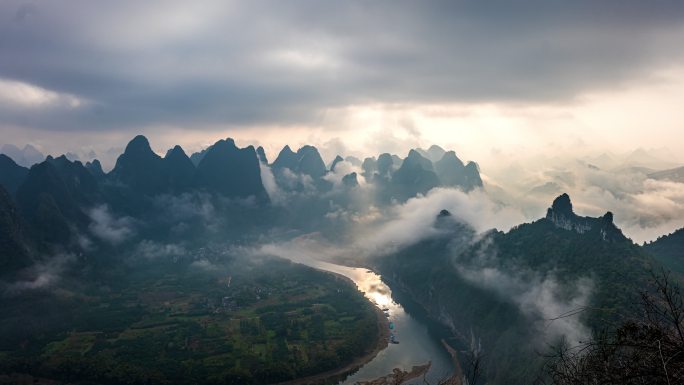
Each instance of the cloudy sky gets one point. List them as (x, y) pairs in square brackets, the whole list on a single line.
[(355, 77)]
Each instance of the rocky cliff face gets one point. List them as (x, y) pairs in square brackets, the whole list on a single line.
[(561, 214)]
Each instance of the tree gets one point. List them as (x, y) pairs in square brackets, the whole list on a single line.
[(647, 349)]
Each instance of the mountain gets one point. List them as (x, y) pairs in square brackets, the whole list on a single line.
[(514, 282), (178, 170), (354, 161), (11, 174), (310, 162), (473, 179), (261, 154), (434, 153), (450, 170), (384, 165), (14, 252), (350, 180), (669, 250), (651, 158), (674, 175), (27, 157), (562, 216), (286, 159), (95, 168), (415, 176), (231, 171), (289, 168), (369, 167), (197, 157), (139, 168), (335, 161), (54, 196)]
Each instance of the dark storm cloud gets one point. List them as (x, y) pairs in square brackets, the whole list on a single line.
[(131, 63)]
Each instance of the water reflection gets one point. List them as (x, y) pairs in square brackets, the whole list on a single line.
[(415, 347)]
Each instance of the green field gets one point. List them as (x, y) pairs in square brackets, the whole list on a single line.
[(276, 321)]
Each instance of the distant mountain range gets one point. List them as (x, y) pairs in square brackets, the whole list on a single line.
[(674, 175), (52, 200), (26, 157)]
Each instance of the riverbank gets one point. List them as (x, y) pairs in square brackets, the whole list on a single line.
[(341, 373), (398, 376)]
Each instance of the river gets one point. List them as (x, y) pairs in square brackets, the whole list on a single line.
[(416, 345)]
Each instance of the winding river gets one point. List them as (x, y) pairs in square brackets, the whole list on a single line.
[(416, 345)]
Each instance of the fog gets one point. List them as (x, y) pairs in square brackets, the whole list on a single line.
[(537, 294), (41, 275)]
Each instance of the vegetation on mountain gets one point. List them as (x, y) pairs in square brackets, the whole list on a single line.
[(669, 250), (503, 287)]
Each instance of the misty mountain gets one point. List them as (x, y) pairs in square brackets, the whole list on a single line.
[(301, 170), (261, 154), (385, 165), (59, 193), (350, 180), (434, 153), (11, 174), (369, 167), (335, 161), (26, 157), (354, 161), (504, 287), (674, 175)]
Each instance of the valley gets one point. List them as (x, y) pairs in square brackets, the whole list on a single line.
[(232, 325)]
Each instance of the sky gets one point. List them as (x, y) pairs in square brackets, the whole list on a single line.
[(491, 80)]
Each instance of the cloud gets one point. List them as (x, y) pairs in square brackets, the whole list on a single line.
[(341, 169), (204, 264), (275, 194), (109, 228), (379, 231), (24, 95), (152, 250), (41, 275), (291, 62), (540, 297), (413, 221), (644, 208), (552, 306)]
